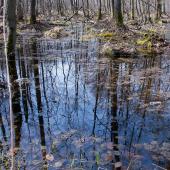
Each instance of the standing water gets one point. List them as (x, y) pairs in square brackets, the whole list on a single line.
[(82, 110)]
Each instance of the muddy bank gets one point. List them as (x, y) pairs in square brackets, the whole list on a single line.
[(131, 39)]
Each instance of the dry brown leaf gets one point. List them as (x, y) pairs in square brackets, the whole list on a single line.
[(49, 157)]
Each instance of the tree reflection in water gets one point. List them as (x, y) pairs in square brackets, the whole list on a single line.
[(39, 102), (89, 111)]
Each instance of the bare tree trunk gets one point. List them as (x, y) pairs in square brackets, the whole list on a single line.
[(118, 13), (113, 6), (12, 76), (133, 9), (88, 15), (1, 7), (11, 25), (100, 10), (159, 9), (20, 14), (33, 12)]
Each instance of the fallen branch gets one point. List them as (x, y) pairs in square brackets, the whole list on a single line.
[(72, 15), (159, 166)]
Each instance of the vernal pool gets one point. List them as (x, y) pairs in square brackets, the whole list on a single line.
[(81, 110)]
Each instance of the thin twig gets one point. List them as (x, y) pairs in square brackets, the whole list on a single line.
[(158, 166), (128, 168), (72, 15)]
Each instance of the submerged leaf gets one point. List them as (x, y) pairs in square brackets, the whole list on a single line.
[(58, 164), (49, 157), (118, 165)]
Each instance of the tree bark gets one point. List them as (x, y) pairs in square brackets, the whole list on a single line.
[(11, 25), (159, 9), (133, 9), (113, 6), (33, 12), (20, 14), (1, 7), (100, 10), (118, 13)]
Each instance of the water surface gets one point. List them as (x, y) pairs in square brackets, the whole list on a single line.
[(79, 109)]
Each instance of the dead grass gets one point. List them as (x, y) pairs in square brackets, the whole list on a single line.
[(125, 39), (56, 32)]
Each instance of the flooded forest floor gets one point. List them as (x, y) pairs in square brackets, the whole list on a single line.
[(132, 38), (87, 99)]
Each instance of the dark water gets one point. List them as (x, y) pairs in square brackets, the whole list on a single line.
[(82, 110)]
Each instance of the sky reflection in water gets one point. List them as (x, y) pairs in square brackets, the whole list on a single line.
[(86, 109)]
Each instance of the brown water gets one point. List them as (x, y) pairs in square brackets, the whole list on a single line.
[(78, 109)]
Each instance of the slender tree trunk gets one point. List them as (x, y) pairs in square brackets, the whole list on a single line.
[(113, 6), (72, 5), (88, 15), (1, 7), (118, 13), (33, 12), (159, 9), (100, 10), (12, 76), (11, 25), (20, 14), (133, 9)]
